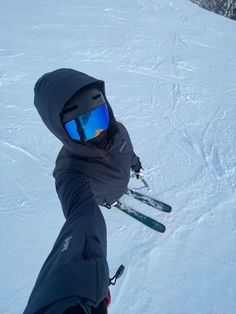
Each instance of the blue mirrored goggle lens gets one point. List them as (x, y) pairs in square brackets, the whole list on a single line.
[(93, 123), (71, 128)]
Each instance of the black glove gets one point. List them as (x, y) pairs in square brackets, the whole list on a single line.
[(138, 169)]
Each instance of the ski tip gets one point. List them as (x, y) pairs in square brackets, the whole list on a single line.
[(167, 209), (162, 230), (159, 227)]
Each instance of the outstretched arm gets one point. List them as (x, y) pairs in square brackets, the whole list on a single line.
[(76, 270)]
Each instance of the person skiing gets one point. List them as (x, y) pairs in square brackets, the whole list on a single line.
[(92, 168)]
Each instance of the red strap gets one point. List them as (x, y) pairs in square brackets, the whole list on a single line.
[(108, 297)]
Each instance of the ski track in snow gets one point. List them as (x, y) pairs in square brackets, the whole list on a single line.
[(169, 69)]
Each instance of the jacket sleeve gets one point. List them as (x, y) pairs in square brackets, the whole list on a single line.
[(135, 160), (76, 270)]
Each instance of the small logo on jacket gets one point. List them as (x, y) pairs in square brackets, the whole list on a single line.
[(66, 244), (122, 147)]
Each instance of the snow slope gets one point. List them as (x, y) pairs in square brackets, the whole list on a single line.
[(170, 71)]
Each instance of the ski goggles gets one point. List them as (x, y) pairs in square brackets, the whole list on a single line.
[(89, 125)]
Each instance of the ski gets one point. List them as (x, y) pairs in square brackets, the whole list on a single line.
[(146, 220), (150, 201)]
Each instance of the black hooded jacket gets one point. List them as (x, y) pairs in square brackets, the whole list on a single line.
[(108, 169), (76, 270)]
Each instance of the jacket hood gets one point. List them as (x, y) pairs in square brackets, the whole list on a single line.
[(52, 91)]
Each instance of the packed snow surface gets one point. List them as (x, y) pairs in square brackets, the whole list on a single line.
[(170, 70)]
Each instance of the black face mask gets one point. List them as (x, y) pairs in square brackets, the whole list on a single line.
[(101, 140)]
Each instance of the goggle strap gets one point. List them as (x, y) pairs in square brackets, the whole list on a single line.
[(80, 129)]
